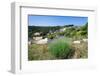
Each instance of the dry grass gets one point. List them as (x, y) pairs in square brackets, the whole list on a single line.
[(81, 50), (41, 52)]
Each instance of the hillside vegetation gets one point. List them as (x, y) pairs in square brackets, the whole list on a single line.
[(61, 45)]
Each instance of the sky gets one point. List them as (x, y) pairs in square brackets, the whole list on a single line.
[(40, 20)]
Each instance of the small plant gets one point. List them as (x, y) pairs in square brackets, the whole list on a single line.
[(60, 48), (51, 36)]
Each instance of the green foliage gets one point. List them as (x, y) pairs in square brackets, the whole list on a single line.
[(71, 31), (51, 36), (77, 32), (60, 48), (61, 33), (43, 29)]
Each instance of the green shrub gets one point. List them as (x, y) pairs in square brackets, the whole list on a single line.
[(51, 36), (60, 48), (61, 33)]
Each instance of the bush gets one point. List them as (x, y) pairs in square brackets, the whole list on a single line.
[(51, 36), (60, 48), (61, 33)]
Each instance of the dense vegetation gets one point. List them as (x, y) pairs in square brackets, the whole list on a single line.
[(44, 29), (71, 31), (60, 48)]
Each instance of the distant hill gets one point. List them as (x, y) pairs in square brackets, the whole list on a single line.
[(44, 29)]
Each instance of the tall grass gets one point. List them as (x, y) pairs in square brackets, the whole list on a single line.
[(81, 50), (60, 48), (38, 52)]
